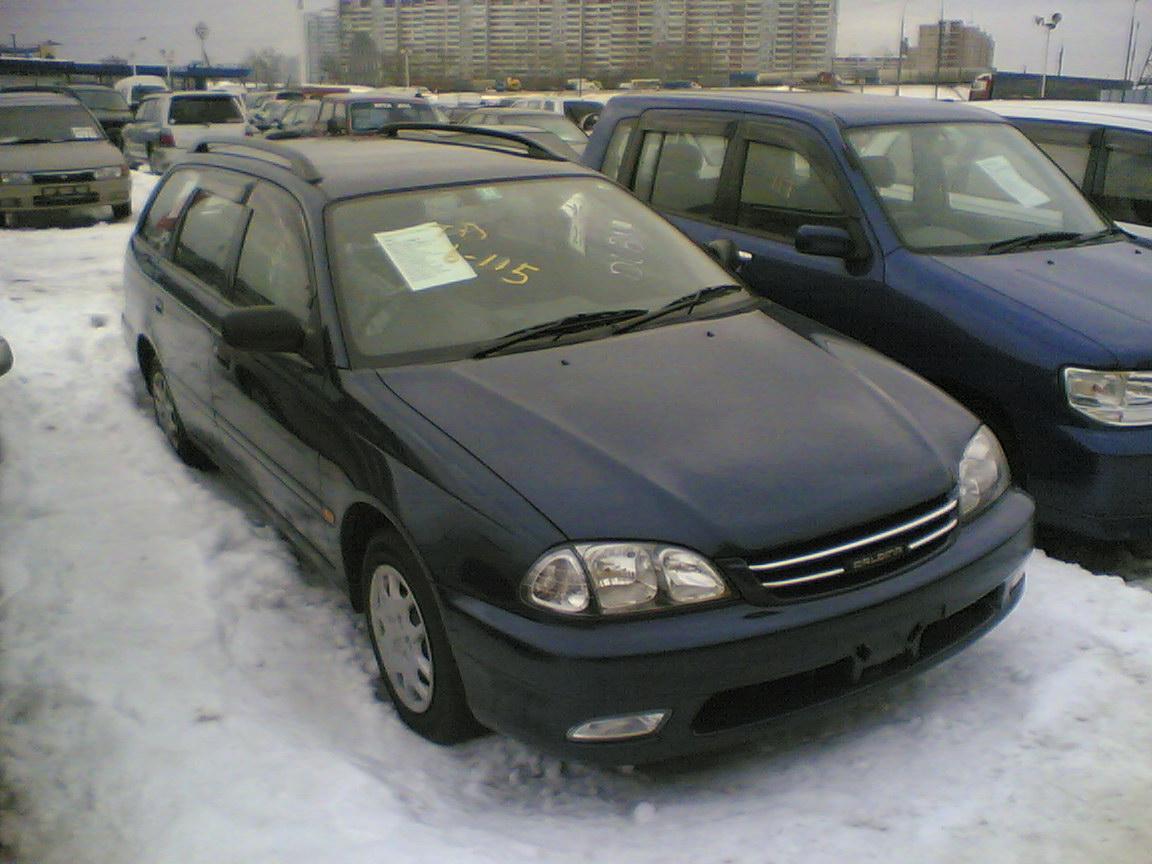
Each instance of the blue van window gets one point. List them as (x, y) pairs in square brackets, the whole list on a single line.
[(779, 184), (687, 172)]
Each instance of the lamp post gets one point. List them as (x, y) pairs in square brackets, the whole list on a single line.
[(407, 79), (1049, 24), (900, 48), (1130, 50), (139, 39), (168, 56)]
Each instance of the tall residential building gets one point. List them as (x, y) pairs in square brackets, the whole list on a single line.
[(465, 39), (322, 30), (954, 47)]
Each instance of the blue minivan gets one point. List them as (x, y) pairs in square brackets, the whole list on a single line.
[(938, 234)]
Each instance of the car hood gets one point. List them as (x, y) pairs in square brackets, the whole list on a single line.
[(730, 435), (65, 156), (1103, 292)]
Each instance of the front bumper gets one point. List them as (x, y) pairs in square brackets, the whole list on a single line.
[(41, 197), (728, 674), (1096, 482)]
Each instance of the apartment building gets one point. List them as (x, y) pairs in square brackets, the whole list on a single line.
[(957, 49), (462, 39)]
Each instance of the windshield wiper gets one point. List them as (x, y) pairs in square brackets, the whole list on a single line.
[(559, 327), (1027, 241), (1096, 236), (686, 304)]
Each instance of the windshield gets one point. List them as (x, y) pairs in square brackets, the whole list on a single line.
[(962, 187), (370, 116), (558, 125), (204, 109), (435, 274), (55, 123), (102, 100)]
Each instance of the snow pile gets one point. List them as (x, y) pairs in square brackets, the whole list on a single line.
[(172, 689)]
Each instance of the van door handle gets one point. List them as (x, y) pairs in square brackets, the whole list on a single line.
[(744, 257), (159, 306)]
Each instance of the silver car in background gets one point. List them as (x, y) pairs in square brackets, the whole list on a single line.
[(169, 124)]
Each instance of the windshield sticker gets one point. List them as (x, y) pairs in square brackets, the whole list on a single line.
[(1005, 175), (502, 264), (576, 212), (424, 256), (84, 132)]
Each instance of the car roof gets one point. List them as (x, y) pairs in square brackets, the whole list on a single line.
[(847, 109), (374, 96), (366, 165), (1119, 114), (36, 98)]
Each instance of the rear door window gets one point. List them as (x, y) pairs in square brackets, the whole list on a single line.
[(680, 171), (1126, 189), (1069, 145), (158, 224)]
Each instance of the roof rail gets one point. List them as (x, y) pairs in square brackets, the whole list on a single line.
[(535, 150), (296, 162)]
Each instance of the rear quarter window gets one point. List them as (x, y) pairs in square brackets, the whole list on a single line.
[(160, 221)]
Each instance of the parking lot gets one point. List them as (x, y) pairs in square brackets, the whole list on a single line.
[(175, 686)]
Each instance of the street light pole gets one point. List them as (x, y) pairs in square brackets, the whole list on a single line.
[(1129, 59), (1049, 24), (900, 49), (139, 39)]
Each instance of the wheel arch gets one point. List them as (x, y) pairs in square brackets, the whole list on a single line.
[(362, 521), (145, 357)]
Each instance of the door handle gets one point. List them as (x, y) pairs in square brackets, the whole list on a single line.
[(744, 257), (159, 306)]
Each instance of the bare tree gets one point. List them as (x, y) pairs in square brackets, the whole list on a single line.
[(268, 66)]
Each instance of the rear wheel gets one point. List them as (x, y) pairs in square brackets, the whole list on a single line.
[(153, 161), (168, 419), (411, 647), (120, 212)]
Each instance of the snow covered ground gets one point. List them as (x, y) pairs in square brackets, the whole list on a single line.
[(174, 689)]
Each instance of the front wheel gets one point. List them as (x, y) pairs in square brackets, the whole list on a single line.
[(168, 419), (412, 649), (120, 212)]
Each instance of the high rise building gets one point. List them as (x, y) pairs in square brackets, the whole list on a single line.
[(322, 30), (466, 39), (957, 49)]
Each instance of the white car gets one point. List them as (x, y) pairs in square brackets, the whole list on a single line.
[(1106, 147), (168, 124)]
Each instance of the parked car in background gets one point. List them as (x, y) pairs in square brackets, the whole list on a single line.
[(54, 157), (549, 121), (169, 124), (1105, 147), (941, 236), (586, 490), (581, 110), (298, 120), (365, 113), (106, 105), (135, 87)]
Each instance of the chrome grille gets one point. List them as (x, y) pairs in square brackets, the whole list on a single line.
[(855, 560), (63, 177)]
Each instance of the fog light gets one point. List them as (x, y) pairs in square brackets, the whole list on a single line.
[(618, 728)]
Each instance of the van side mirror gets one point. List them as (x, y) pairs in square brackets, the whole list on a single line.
[(264, 329), (826, 241), (725, 252)]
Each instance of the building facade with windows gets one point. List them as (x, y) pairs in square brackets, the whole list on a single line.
[(958, 50), (621, 39)]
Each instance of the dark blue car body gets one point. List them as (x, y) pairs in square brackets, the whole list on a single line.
[(995, 331)]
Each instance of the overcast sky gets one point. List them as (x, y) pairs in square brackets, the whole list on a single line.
[(1093, 32)]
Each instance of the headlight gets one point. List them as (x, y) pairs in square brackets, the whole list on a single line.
[(16, 178), (1115, 398), (621, 577), (111, 172), (983, 473)]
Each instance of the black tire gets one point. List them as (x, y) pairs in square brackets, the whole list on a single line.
[(120, 212), (153, 165), (168, 419), (411, 647)]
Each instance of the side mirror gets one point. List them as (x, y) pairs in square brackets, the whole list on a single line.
[(5, 356), (726, 252), (264, 329), (826, 241)]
